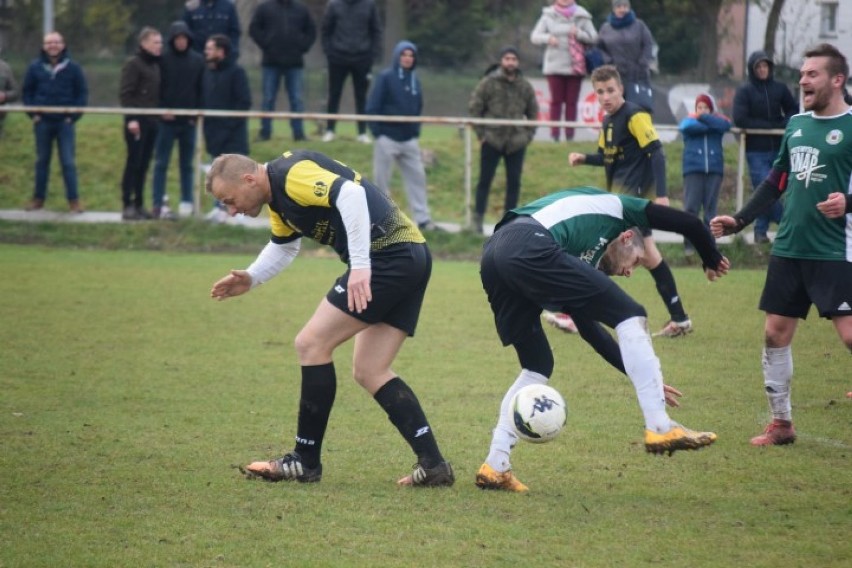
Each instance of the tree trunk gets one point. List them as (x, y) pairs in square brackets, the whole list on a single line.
[(394, 24), (772, 26), (708, 14)]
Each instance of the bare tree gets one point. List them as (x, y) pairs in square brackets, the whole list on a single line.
[(772, 26)]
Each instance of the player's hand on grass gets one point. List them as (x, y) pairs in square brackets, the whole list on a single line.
[(834, 206), (236, 283), (672, 396)]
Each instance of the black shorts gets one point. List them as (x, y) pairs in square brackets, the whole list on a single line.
[(399, 276), (524, 270), (793, 284)]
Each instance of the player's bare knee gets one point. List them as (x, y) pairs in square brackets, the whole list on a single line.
[(309, 350)]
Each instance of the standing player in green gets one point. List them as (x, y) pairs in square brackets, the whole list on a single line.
[(811, 261), (555, 254), (632, 155)]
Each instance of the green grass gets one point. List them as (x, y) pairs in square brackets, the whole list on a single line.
[(128, 395)]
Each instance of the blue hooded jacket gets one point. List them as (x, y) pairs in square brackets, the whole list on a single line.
[(702, 142), (397, 92)]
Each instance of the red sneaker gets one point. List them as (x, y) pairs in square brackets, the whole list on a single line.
[(778, 433)]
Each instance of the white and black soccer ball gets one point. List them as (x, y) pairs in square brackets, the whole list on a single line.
[(538, 413)]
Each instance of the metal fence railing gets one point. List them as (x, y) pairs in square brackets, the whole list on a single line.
[(460, 122)]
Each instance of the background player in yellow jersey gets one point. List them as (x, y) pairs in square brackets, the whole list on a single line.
[(811, 261), (632, 156), (377, 300)]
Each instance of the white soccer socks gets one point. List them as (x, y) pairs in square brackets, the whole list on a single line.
[(643, 368), (777, 375), (503, 438)]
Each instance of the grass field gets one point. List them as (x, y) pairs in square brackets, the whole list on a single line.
[(128, 396)]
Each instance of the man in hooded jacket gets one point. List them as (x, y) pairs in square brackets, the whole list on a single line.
[(181, 70), (397, 92), (763, 103)]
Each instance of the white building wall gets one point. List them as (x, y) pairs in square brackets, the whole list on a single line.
[(798, 29)]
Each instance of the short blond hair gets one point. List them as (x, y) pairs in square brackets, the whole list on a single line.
[(229, 168)]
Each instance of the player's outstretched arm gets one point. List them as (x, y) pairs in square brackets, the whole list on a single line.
[(236, 283)]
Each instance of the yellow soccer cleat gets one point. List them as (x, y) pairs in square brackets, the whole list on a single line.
[(678, 438), (488, 478)]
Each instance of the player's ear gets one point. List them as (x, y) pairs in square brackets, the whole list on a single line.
[(627, 236)]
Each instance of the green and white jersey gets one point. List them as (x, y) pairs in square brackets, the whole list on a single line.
[(816, 153), (584, 220)]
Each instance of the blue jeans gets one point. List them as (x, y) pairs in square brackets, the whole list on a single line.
[(701, 195), (184, 132), (46, 131), (271, 78), (759, 164)]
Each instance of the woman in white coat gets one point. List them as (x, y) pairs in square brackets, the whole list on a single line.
[(565, 29)]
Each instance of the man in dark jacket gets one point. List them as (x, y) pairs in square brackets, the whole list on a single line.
[(502, 93), (181, 70), (352, 42), (397, 92), (284, 31), (763, 103), (207, 17), (54, 80), (225, 87), (140, 88)]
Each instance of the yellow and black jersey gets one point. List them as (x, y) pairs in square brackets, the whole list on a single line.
[(305, 186), (626, 140)]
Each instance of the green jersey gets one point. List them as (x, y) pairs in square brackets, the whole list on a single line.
[(584, 220), (816, 154)]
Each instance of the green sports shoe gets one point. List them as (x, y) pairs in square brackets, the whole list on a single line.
[(678, 438)]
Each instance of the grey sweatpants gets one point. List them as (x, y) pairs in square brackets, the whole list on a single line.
[(407, 155)]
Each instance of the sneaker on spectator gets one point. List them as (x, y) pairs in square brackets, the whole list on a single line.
[(130, 213), (75, 206), (560, 321), (364, 138), (429, 226), (675, 329), (216, 215), (35, 205), (328, 136), (185, 209), (165, 213)]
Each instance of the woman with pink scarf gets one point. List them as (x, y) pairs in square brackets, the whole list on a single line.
[(564, 28)]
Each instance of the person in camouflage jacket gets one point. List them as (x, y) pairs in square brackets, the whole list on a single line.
[(502, 93)]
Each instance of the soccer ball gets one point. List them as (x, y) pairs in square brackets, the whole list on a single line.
[(538, 413)]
